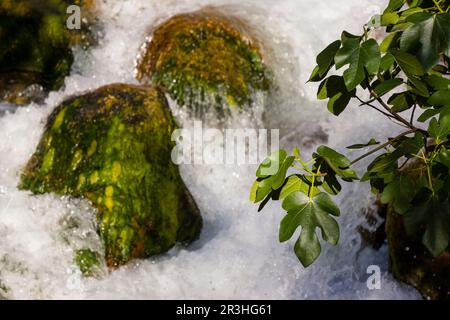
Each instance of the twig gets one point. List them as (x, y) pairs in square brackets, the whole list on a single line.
[(383, 145), (364, 103), (412, 114)]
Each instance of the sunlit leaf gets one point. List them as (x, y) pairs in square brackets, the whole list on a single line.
[(309, 214)]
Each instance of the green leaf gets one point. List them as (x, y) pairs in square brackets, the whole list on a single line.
[(444, 157), (428, 38), (350, 47), (294, 183), (260, 190), (440, 129), (399, 193), (314, 77), (394, 5), (387, 62), (388, 161), (334, 88), (427, 114), (271, 164), (389, 18), (440, 98), (408, 63), (325, 59), (337, 162), (280, 177), (419, 86), (371, 56), (309, 213), (434, 214), (437, 82), (401, 26), (360, 146), (387, 86), (401, 101), (271, 175), (366, 56), (388, 42)]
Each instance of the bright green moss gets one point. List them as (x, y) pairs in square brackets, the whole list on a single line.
[(113, 147), (88, 261), (204, 60)]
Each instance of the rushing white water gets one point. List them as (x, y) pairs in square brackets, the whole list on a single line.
[(238, 254)]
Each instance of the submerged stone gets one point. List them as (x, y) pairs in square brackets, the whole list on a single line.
[(35, 46), (113, 146), (204, 59)]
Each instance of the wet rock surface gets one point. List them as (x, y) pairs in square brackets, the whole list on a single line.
[(36, 46), (113, 146), (204, 60)]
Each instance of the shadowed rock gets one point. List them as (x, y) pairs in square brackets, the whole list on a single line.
[(36, 46)]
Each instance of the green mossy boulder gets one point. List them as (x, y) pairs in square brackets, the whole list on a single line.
[(113, 146), (36, 45), (204, 60)]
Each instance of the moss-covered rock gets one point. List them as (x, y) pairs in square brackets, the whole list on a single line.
[(203, 60), (88, 261), (35, 45), (113, 147), (411, 262)]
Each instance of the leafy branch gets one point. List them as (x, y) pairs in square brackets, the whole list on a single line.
[(407, 70)]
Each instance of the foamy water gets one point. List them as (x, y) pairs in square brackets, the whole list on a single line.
[(238, 254)]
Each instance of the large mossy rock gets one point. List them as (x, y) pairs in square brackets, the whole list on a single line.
[(204, 59), (411, 262), (113, 147), (36, 45)]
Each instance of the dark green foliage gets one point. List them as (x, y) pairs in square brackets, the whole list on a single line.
[(414, 54)]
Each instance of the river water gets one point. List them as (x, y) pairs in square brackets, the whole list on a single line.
[(238, 254)]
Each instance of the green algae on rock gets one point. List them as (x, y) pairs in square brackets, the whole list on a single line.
[(113, 147), (88, 261), (204, 59), (36, 45)]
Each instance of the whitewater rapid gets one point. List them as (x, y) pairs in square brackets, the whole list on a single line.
[(238, 254)]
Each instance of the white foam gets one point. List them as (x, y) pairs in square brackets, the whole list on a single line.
[(238, 254)]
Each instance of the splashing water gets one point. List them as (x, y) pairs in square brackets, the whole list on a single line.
[(238, 254)]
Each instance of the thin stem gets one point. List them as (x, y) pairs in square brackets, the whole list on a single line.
[(364, 103), (305, 166), (437, 3), (430, 181), (313, 182), (382, 146), (412, 114), (388, 109)]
